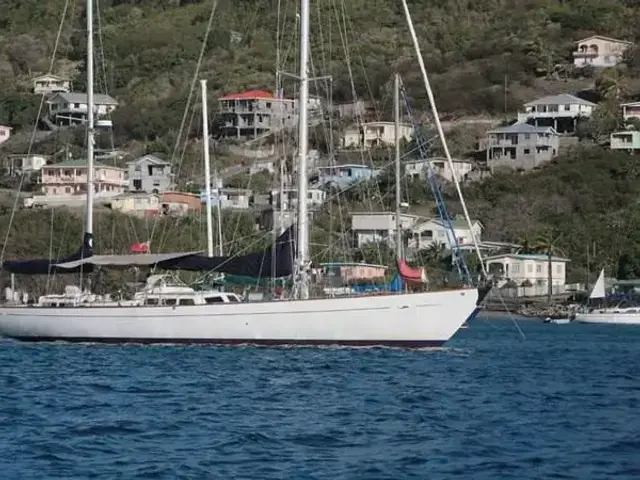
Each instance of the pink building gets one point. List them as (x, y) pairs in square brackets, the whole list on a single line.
[(5, 133), (70, 178)]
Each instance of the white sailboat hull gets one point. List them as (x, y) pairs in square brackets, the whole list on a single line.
[(617, 318), (407, 320)]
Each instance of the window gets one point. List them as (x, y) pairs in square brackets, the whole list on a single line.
[(234, 299), (211, 300), (527, 151), (515, 268), (151, 301), (76, 105), (538, 268), (527, 136), (559, 268), (567, 108), (187, 301), (530, 268)]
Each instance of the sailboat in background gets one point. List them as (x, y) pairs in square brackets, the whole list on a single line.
[(614, 315), (177, 314)]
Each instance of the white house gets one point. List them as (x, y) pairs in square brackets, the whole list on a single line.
[(46, 84), (373, 134), (599, 51), (5, 133), (558, 111), (529, 272), (630, 110), (628, 140), (370, 227), (19, 164), (315, 198), (435, 231), (71, 108), (419, 169)]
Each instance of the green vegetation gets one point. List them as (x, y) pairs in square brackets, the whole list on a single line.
[(472, 49)]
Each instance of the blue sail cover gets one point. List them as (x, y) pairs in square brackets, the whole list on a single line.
[(47, 266), (255, 265)]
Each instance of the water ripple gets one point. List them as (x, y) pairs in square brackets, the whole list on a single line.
[(561, 405)]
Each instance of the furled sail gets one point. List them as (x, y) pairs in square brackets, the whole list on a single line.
[(256, 265), (46, 266), (413, 276)]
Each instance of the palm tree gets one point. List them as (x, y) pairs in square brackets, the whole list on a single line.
[(547, 243)]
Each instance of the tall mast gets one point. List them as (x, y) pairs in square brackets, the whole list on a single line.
[(303, 147), (396, 111), (88, 227), (207, 169)]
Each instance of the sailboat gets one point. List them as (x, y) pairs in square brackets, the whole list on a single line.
[(170, 313), (615, 315)]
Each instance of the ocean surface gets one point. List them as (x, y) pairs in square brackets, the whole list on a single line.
[(563, 403)]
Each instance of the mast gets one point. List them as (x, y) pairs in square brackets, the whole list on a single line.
[(396, 111), (88, 227), (207, 169), (303, 102)]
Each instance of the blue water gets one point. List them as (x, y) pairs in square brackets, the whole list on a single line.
[(562, 404)]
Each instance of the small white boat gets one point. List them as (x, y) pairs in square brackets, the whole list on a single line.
[(557, 321), (614, 315)]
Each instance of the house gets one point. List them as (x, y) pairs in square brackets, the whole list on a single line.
[(262, 166), (69, 178), (139, 204), (343, 176), (521, 146), (561, 112), (630, 110), (529, 272), (374, 134), (236, 198), (599, 51), (349, 271), (374, 227), (419, 169), (436, 231), (179, 203), (257, 112), (47, 84), (5, 133), (627, 140), (315, 198), (27, 164), (71, 108), (149, 174)]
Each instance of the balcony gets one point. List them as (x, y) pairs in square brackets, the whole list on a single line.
[(585, 54)]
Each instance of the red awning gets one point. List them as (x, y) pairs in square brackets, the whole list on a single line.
[(140, 247)]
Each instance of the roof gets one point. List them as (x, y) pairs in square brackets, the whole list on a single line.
[(436, 159), (369, 124), (608, 39), (345, 165), (455, 223), (522, 128), (562, 99), (50, 75), (76, 97), (126, 260), (248, 95), (527, 256), (630, 104), (149, 158), (79, 163)]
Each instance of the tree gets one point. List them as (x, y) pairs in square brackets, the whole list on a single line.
[(547, 243)]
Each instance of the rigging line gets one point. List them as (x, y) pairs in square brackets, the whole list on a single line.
[(104, 70), (203, 48), (33, 134)]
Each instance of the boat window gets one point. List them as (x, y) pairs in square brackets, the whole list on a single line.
[(151, 301), (211, 300), (187, 301), (233, 298), (170, 301)]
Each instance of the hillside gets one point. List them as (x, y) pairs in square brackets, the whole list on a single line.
[(485, 58)]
